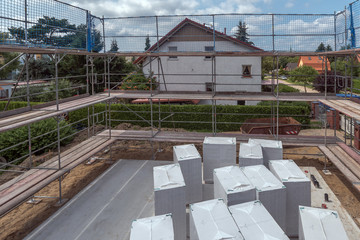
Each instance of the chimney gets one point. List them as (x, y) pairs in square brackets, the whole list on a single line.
[(224, 30)]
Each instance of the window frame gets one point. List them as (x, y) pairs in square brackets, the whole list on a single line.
[(173, 49), (243, 70)]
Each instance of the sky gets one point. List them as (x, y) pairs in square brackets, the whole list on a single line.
[(128, 8)]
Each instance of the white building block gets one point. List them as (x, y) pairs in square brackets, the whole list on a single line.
[(255, 222), (298, 191), (170, 196), (272, 150), (231, 184), (269, 190), (217, 152), (211, 220), (250, 154), (190, 162), (320, 224), (153, 228)]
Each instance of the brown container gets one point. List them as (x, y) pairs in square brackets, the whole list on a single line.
[(287, 126)]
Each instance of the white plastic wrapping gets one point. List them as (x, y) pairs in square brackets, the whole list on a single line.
[(272, 150), (153, 228), (211, 220), (190, 162), (250, 154), (231, 184), (298, 191), (217, 152), (255, 222), (170, 196), (269, 190), (320, 224)]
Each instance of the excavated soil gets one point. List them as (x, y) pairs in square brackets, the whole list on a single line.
[(26, 217)]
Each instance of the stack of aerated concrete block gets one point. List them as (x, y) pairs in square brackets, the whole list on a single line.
[(250, 154), (158, 227)]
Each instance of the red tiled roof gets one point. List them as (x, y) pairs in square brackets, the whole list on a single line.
[(201, 26), (162, 100), (316, 62)]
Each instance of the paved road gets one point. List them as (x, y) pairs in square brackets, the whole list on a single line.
[(106, 208)]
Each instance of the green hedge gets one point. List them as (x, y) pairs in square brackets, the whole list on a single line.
[(199, 115)]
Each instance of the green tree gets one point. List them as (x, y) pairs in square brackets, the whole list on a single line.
[(241, 33), (328, 48), (304, 75), (138, 81), (321, 48), (7, 56), (147, 42), (114, 46), (58, 33)]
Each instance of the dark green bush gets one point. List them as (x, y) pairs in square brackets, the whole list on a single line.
[(19, 135)]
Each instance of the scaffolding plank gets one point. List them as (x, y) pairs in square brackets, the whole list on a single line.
[(348, 161), (343, 108), (336, 161), (44, 177)]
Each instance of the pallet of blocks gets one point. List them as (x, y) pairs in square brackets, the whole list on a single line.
[(250, 154), (153, 228), (170, 196), (272, 150)]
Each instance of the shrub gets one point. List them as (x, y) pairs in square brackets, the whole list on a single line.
[(138, 81), (47, 127), (331, 81), (303, 74)]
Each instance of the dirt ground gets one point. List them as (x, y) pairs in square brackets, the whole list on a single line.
[(26, 217)]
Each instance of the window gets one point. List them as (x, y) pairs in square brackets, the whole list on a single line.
[(209, 86), (241, 102), (172, 49), (209, 49), (309, 58), (246, 70)]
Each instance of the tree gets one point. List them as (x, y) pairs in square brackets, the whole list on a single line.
[(114, 46), (7, 57), (304, 74), (321, 48), (332, 81), (328, 48), (57, 33), (147, 42), (241, 33), (138, 81)]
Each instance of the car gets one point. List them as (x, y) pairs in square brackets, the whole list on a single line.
[(283, 77)]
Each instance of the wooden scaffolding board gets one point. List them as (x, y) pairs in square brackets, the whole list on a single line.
[(347, 107), (21, 188), (25, 118)]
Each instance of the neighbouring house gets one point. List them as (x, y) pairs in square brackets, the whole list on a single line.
[(317, 62), (291, 66), (5, 88), (194, 73)]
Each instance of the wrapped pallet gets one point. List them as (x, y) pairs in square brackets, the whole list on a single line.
[(250, 154), (190, 162), (170, 196), (255, 222), (231, 184), (320, 224), (153, 228), (217, 152), (211, 220), (272, 150), (298, 191), (269, 190)]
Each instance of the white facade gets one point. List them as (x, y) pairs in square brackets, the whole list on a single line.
[(269, 190), (153, 228), (170, 196), (320, 224), (298, 191), (255, 222), (190, 162), (231, 185), (217, 152), (194, 73), (211, 220)]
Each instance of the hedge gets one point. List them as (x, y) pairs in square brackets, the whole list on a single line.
[(198, 116)]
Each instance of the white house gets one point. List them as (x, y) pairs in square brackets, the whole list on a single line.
[(194, 73), (6, 88)]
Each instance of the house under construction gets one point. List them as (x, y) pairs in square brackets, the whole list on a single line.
[(201, 81)]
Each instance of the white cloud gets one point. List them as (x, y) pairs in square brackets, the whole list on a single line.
[(126, 8), (289, 4)]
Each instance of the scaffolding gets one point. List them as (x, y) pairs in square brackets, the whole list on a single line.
[(59, 30)]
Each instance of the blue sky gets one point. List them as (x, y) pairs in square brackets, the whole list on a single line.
[(117, 8)]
